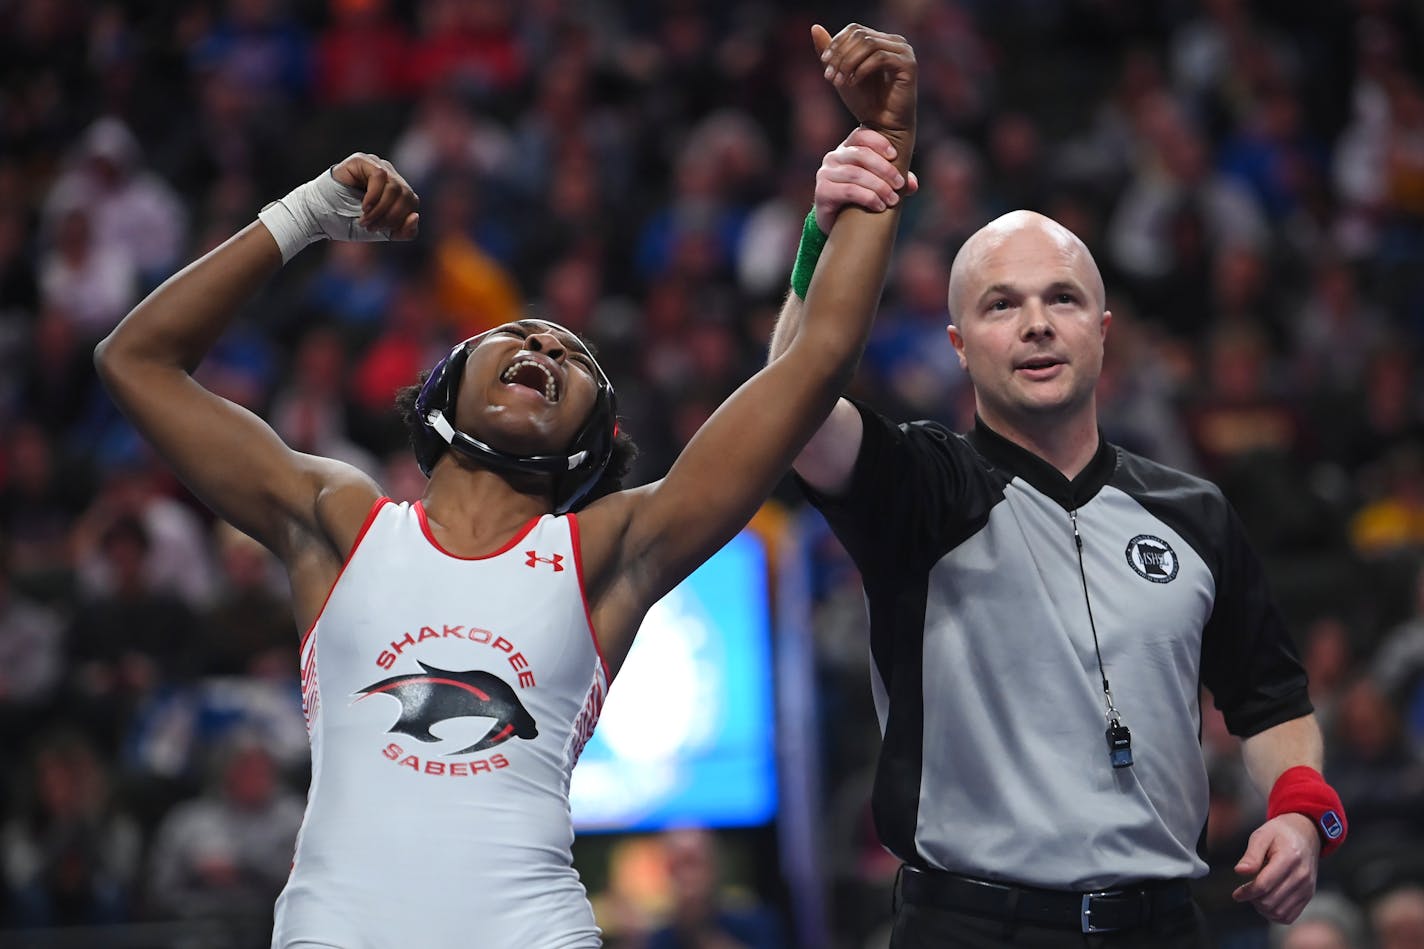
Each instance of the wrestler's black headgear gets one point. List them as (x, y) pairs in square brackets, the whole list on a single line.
[(573, 474)]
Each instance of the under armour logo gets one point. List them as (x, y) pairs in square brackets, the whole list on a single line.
[(556, 561)]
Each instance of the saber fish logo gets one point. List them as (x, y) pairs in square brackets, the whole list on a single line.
[(435, 695), (1153, 558)]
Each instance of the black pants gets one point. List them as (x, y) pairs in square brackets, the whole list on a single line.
[(927, 927)]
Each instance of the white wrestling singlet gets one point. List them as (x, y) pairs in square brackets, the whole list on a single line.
[(447, 700)]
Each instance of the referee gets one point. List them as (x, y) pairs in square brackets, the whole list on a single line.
[(1044, 607)]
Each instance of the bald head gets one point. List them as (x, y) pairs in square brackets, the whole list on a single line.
[(999, 234)]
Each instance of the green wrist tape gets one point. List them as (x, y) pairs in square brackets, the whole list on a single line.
[(807, 253)]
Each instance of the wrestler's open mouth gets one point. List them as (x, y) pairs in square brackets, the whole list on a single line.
[(532, 374)]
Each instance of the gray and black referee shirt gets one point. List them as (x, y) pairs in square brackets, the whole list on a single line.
[(994, 761)]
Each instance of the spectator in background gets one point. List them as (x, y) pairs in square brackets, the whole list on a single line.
[(259, 46), (564, 119), (1249, 435), (669, 309), (19, 300), (1251, 439), (1101, 156), (682, 59), (1140, 392), (412, 337), (695, 233), (362, 57), (250, 62), (129, 641), (43, 49), (1358, 173), (177, 559), (1398, 666), (1397, 918), (960, 82), (1275, 156), (54, 382), (248, 629), (470, 45), (816, 125), (906, 356), (1232, 814), (31, 658), (1361, 430), (767, 245), (243, 367), (1328, 653), (1404, 166), (469, 252), (1241, 294), (1017, 173), (740, 150), (952, 205), (227, 852), (1379, 777), (91, 283), (70, 855), (1335, 331), (310, 411), (1391, 520), (41, 500), (1173, 217), (447, 136), (574, 222), (229, 143), (129, 208), (703, 916), (1223, 58), (352, 289), (1329, 921), (571, 291), (1402, 236)]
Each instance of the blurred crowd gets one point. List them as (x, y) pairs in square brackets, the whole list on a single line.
[(1248, 173)]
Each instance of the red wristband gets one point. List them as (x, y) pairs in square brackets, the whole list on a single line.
[(1302, 790)]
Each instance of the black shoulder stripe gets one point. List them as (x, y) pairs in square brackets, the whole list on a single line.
[(1248, 659)]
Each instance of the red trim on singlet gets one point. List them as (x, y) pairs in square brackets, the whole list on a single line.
[(360, 536), (583, 592), (430, 536)]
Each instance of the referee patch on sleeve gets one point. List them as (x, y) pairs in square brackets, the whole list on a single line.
[(1152, 558)]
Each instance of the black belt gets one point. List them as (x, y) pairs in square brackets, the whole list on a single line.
[(1091, 912)]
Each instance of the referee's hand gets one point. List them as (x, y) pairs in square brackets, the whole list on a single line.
[(1282, 858)]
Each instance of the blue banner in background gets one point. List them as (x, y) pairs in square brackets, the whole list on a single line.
[(688, 734)]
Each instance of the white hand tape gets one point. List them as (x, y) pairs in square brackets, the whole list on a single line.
[(321, 208)]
